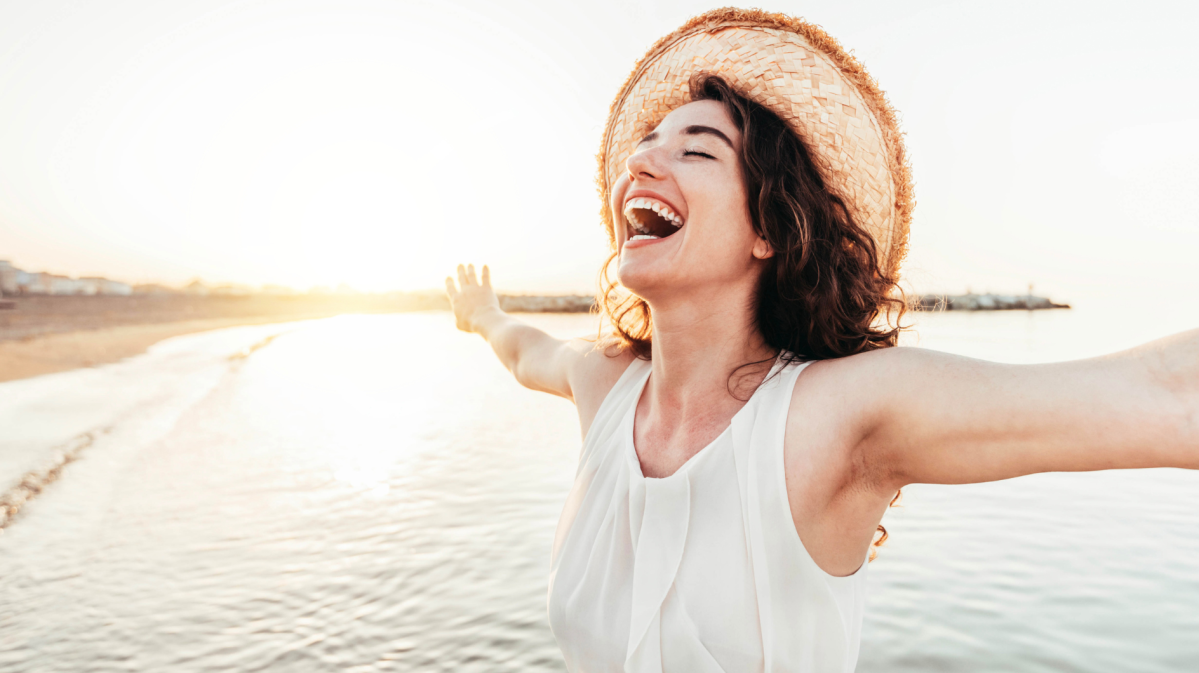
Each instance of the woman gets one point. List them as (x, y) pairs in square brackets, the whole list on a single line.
[(726, 505)]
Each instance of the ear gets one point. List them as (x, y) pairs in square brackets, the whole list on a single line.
[(762, 249)]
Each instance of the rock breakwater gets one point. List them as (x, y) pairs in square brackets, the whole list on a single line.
[(983, 302)]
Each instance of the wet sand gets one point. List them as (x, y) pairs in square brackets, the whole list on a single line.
[(43, 335), (71, 350)]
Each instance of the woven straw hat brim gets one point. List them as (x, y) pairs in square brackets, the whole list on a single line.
[(803, 75)]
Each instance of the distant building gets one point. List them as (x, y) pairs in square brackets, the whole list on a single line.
[(14, 281), (8, 278), (65, 285), (36, 283), (97, 285)]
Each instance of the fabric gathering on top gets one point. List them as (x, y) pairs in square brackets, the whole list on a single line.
[(702, 571)]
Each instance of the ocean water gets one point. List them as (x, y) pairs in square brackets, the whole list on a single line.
[(373, 493)]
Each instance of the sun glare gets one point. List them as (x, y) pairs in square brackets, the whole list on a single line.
[(303, 146)]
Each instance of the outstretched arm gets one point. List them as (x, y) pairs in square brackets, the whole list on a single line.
[(579, 370), (536, 359), (937, 418)]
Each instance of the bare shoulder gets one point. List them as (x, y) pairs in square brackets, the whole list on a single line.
[(839, 389), (854, 387), (595, 369)]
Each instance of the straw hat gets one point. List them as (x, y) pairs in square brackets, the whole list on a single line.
[(802, 74)]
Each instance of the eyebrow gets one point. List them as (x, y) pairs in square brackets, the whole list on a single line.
[(646, 139), (695, 130), (708, 130)]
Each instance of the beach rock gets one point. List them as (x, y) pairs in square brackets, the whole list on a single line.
[(541, 304), (983, 302)]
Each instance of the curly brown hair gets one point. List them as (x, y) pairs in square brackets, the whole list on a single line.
[(824, 293)]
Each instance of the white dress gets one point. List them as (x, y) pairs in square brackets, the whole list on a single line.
[(701, 571)]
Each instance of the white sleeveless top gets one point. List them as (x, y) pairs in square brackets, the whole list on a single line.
[(701, 571)]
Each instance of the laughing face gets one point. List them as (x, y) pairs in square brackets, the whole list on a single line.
[(682, 220)]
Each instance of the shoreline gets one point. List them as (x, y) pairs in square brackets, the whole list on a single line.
[(46, 335), (65, 351), (49, 334)]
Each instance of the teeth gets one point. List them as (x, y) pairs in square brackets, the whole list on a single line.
[(635, 223), (649, 204), (644, 237)]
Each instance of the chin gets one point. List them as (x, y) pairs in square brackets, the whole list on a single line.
[(646, 279)]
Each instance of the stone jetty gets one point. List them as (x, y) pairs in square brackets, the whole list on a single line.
[(983, 302), (570, 303), (927, 302)]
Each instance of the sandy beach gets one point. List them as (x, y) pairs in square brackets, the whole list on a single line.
[(47, 334), (72, 350), (44, 334)]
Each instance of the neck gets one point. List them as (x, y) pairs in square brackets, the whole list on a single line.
[(698, 344)]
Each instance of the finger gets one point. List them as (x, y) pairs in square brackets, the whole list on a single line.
[(486, 276), (470, 274), (462, 277), (449, 287)]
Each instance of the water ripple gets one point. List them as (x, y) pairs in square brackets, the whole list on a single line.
[(374, 493)]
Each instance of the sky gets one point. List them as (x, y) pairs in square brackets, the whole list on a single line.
[(379, 143)]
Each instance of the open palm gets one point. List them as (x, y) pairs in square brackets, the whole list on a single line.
[(470, 297)]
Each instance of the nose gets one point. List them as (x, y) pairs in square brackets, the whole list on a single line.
[(644, 165)]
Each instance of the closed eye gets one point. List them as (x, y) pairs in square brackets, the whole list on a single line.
[(689, 153)]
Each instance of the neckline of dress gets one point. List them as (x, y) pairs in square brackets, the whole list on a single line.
[(631, 421)]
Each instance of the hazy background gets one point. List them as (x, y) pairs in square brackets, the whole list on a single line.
[(379, 143)]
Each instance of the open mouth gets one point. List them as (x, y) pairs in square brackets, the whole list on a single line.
[(650, 219)]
